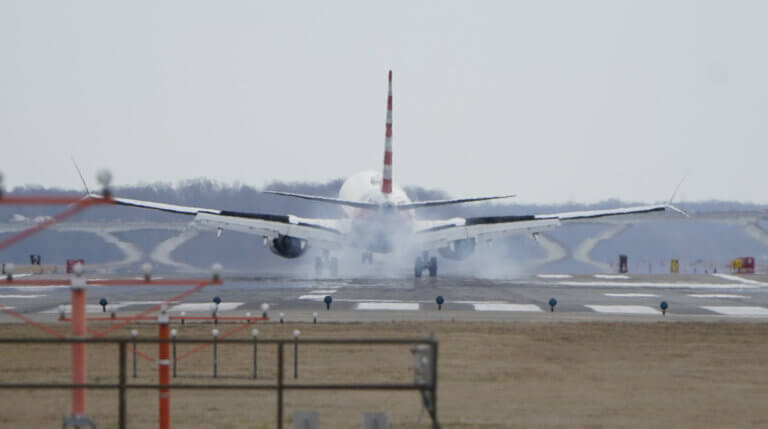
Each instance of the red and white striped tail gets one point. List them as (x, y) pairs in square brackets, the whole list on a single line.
[(386, 176)]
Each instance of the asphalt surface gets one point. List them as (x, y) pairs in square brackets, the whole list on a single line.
[(702, 297)]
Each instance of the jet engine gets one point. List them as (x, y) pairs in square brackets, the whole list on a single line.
[(287, 246), (458, 250)]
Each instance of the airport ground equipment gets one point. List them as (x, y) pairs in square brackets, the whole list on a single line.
[(674, 266), (623, 264), (743, 265)]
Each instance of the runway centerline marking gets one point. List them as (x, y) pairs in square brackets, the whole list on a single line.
[(325, 291), (623, 309), (409, 306), (611, 276), (739, 311), (631, 295), (499, 306)]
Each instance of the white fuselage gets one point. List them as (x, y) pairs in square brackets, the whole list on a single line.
[(376, 231)]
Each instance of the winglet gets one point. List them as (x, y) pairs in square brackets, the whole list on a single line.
[(672, 197), (82, 179), (386, 176)]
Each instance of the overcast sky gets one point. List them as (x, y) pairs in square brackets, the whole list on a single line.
[(553, 100)]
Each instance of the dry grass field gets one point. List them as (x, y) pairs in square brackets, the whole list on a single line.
[(491, 375)]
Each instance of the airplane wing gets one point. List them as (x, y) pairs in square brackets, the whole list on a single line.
[(323, 233), (437, 234)]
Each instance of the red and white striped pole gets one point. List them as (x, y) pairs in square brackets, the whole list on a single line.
[(163, 368), (78, 417), (386, 182)]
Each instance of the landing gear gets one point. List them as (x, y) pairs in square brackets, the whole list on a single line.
[(424, 262), (367, 258), (328, 264)]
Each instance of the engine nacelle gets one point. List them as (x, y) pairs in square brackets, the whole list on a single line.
[(458, 250), (287, 246)]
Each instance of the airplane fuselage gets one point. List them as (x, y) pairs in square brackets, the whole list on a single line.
[(378, 231)]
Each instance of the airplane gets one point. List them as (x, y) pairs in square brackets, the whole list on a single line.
[(379, 219)]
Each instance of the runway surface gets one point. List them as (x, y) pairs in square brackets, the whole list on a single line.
[(600, 297)]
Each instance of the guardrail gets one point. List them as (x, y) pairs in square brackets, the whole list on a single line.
[(425, 370)]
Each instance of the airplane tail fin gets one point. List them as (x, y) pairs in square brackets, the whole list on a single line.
[(386, 176)]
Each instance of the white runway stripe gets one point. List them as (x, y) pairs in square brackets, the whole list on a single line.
[(740, 279), (410, 306), (6, 307), (657, 285), (205, 306), (20, 296), (493, 306), (739, 311), (623, 309), (611, 276), (32, 288), (90, 308), (554, 276), (631, 295), (325, 291), (127, 303), (717, 296), (312, 297)]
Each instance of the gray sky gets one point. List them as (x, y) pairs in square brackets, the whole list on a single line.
[(553, 100)]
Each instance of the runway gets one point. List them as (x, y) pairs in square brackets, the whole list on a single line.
[(599, 297)]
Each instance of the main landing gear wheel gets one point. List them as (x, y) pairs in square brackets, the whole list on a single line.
[(425, 263), (331, 265)]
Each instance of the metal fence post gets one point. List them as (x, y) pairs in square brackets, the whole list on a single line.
[(280, 385), (255, 333), (134, 333), (296, 334), (215, 333), (121, 414), (435, 423)]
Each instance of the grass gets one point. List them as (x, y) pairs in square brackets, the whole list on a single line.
[(491, 375)]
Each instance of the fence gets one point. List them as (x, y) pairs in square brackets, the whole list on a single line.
[(425, 370)]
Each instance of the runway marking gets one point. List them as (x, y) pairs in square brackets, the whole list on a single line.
[(410, 306), (611, 276), (658, 285), (739, 311), (6, 307), (20, 296), (631, 295), (554, 276), (740, 279), (500, 306), (623, 309), (127, 303), (312, 297), (33, 288), (205, 306), (89, 308), (325, 291), (718, 296)]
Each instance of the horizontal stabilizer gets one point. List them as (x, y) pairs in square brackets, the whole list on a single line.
[(435, 203), (337, 201)]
